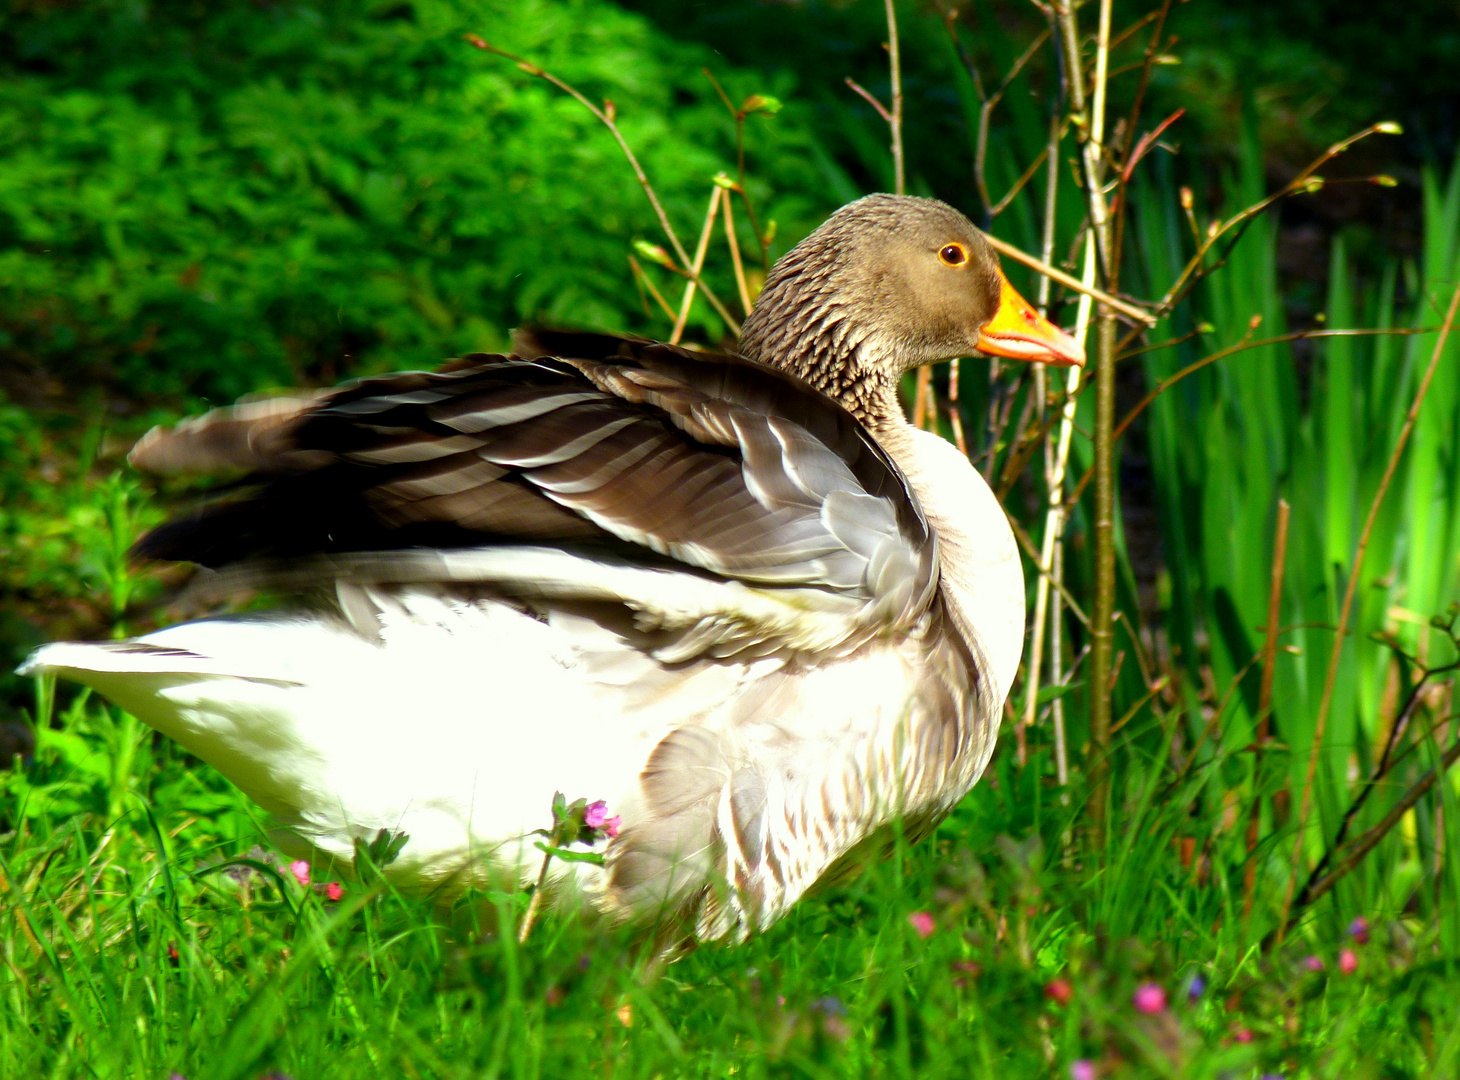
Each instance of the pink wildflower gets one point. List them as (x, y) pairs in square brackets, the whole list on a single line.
[(596, 817), (1149, 999), (1059, 991), (923, 923), (1082, 1070), (1242, 1034), (1359, 930), (1348, 961), (300, 869), (334, 890), (1313, 963)]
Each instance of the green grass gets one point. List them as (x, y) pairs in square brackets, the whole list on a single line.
[(131, 952)]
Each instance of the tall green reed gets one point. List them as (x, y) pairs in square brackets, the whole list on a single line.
[(1265, 424)]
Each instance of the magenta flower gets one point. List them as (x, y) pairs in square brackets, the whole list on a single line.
[(1348, 961), (1242, 1034), (1082, 1070), (334, 890), (1149, 999), (300, 869), (1313, 963), (1359, 930), (923, 923), (596, 817)]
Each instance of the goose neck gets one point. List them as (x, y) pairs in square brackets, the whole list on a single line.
[(980, 576), (819, 338)]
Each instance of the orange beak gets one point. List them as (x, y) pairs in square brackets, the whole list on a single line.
[(1020, 332)]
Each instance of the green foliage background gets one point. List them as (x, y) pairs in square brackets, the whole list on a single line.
[(210, 198)]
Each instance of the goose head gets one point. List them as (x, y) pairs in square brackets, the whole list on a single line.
[(886, 284)]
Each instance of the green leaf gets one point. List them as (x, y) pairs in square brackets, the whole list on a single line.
[(569, 855)]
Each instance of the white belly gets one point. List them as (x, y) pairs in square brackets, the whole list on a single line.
[(458, 727)]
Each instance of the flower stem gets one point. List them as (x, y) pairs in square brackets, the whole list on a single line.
[(535, 904)]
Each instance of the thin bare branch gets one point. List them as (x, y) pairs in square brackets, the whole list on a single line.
[(1221, 354), (1090, 120), (647, 283), (1072, 283), (985, 114), (1027, 543), (1053, 626), (954, 412), (606, 120), (866, 96), (922, 391), (1387, 761), (734, 244), (894, 61), (1134, 28), (1305, 181), (891, 116), (717, 193), (1370, 840), (1009, 196), (606, 117), (1264, 696), (1054, 522), (1346, 607), (1151, 691), (1145, 143)]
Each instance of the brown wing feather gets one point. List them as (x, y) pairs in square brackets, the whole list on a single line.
[(716, 462)]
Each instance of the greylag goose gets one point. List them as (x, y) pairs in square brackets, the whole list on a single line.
[(739, 598)]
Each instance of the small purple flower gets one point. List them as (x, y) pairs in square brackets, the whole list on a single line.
[(1196, 986), (300, 869), (1149, 999), (1313, 963), (1348, 961), (1359, 930), (596, 817), (830, 1006), (923, 923), (1082, 1070)]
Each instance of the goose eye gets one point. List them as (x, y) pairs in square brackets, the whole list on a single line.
[(954, 255)]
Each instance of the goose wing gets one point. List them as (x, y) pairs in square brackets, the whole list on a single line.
[(716, 497)]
